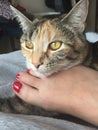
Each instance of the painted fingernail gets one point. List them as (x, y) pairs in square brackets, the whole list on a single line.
[(17, 76), (17, 86)]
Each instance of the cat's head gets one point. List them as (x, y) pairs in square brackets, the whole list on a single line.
[(51, 45)]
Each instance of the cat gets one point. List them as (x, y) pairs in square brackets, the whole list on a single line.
[(51, 45)]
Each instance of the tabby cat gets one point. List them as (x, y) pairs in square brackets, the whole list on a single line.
[(51, 45)]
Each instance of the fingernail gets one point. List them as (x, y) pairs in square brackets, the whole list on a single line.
[(28, 71), (17, 86), (17, 76)]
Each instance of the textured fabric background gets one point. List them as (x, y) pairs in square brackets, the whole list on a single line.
[(5, 10), (22, 122), (10, 65)]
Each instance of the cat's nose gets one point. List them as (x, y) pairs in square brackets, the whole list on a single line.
[(36, 64)]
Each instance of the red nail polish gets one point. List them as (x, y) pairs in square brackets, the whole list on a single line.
[(17, 86), (17, 76)]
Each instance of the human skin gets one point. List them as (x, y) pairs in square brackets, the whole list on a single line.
[(74, 91)]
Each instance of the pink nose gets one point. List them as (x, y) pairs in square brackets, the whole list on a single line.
[(36, 64)]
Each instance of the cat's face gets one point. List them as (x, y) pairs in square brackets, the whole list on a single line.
[(51, 45), (50, 48)]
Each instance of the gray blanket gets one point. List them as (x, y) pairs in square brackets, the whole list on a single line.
[(10, 65)]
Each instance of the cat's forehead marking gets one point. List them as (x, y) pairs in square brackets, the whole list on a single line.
[(44, 35)]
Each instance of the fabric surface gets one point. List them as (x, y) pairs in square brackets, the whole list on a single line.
[(22, 122), (11, 64), (5, 10)]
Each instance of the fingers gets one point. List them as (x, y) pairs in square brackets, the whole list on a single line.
[(28, 79), (26, 93)]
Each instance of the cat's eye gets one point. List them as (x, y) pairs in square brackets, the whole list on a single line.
[(55, 45), (29, 45)]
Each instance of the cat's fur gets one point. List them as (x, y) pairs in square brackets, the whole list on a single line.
[(41, 33)]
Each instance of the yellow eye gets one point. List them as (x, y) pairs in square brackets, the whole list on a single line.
[(55, 45), (29, 45)]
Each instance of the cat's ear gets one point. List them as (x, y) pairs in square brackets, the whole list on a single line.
[(25, 23), (77, 16)]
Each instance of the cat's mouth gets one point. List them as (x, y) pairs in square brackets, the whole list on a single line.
[(42, 71), (38, 71), (47, 70)]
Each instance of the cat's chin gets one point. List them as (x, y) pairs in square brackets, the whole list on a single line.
[(39, 74)]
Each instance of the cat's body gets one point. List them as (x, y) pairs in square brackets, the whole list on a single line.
[(51, 45)]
